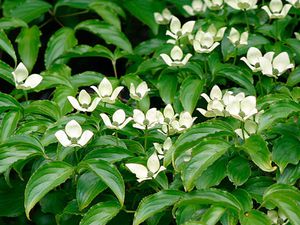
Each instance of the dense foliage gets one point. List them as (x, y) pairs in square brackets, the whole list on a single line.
[(149, 112)]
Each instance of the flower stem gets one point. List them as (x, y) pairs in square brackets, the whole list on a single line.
[(114, 63), (26, 96), (117, 137), (247, 20), (145, 138), (235, 55), (243, 130)]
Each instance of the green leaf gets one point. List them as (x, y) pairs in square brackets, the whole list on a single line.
[(167, 86), (190, 98), (60, 95), (30, 10), (9, 23), (28, 45), (212, 215), (6, 46), (44, 107), (9, 124), (89, 185), (45, 179), (8, 102), (109, 174), (61, 41), (286, 144), (258, 150), (290, 175), (154, 204), (5, 73), (144, 10), (18, 148), (244, 198), (203, 155), (255, 217), (238, 170), (109, 154), (86, 78), (294, 77), (287, 199), (80, 4), (110, 34), (101, 213)]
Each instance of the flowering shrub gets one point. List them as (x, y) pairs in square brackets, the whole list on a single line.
[(149, 112)]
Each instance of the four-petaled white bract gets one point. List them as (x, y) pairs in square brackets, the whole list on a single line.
[(147, 121), (73, 136), (295, 3), (252, 59), (276, 9), (23, 80), (250, 127), (119, 120), (242, 4), (84, 102), (168, 115), (146, 173), (238, 39), (105, 91), (184, 122), (162, 148), (275, 66), (197, 7), (177, 31), (139, 92), (164, 17), (176, 58), (214, 4)]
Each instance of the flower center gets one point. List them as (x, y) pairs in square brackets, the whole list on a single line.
[(146, 122), (84, 105), (243, 5), (74, 140), (275, 72), (150, 174)]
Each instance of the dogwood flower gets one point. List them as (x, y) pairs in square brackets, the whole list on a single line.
[(276, 9), (146, 173), (277, 217), (105, 91), (238, 39), (242, 4), (139, 92), (253, 56), (143, 121), (176, 30), (250, 127), (162, 148), (176, 58), (168, 115), (205, 42), (23, 80), (73, 136), (197, 7), (295, 3), (164, 17), (214, 4), (119, 120), (84, 102), (185, 121), (274, 67)]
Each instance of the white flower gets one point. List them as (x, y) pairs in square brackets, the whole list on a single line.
[(119, 120), (164, 17), (84, 102), (185, 121), (197, 7), (277, 217), (105, 91), (143, 121), (242, 4), (250, 127), (276, 9), (23, 80), (146, 173), (274, 67), (205, 42), (176, 58), (295, 3), (73, 136), (176, 30), (166, 119), (162, 148), (214, 4), (252, 60), (215, 105), (238, 39), (139, 92)]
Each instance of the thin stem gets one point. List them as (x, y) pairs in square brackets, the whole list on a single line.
[(117, 137), (247, 20), (74, 14), (146, 138), (114, 62), (243, 130), (45, 23), (26, 96), (235, 55)]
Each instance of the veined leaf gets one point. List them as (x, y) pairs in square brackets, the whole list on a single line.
[(6, 73), (9, 23), (212, 215), (109, 154), (80, 4), (6, 46), (8, 102), (9, 124), (155, 203), (167, 86), (238, 170), (45, 108), (46, 178), (255, 217)]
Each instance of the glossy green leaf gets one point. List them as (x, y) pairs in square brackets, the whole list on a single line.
[(28, 45), (109, 175), (60, 95), (6, 46), (154, 204), (294, 77), (9, 124), (212, 215), (190, 98), (61, 41), (46, 178), (8, 102), (110, 34), (203, 155), (290, 175), (45, 108), (258, 150), (255, 217), (80, 4), (109, 154), (101, 213), (87, 78), (244, 198), (167, 86), (5, 73), (10, 23), (287, 199), (89, 185), (238, 170)]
